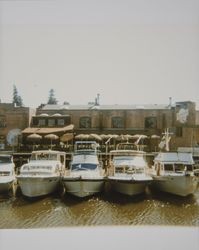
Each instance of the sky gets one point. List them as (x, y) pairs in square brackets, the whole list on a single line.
[(128, 51)]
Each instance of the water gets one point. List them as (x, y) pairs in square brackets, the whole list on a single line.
[(105, 209)]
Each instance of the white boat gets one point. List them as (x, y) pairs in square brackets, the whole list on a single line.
[(7, 173), (173, 172), (42, 174), (86, 175), (129, 170)]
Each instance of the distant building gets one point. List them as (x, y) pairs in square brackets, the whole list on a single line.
[(13, 120)]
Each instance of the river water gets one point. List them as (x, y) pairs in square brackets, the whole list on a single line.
[(105, 209)]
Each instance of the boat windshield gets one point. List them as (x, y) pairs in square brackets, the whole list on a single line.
[(4, 173), (44, 156), (5, 159), (127, 160), (131, 161), (85, 152), (83, 166)]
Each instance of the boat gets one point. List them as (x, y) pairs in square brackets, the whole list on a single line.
[(7, 173), (85, 176), (173, 172), (128, 172), (42, 174)]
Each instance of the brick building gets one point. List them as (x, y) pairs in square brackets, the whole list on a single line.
[(180, 118), (12, 121)]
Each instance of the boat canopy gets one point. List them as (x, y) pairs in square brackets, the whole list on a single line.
[(32, 130), (174, 157)]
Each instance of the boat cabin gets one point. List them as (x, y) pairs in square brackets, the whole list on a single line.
[(48, 155), (86, 146), (6, 165), (126, 159), (173, 162)]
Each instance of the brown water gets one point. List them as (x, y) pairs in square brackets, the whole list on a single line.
[(107, 208)]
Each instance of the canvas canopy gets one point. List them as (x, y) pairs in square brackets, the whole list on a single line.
[(32, 130)]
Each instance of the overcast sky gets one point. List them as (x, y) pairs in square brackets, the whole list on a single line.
[(128, 51)]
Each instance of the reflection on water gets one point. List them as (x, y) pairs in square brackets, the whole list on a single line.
[(108, 208)]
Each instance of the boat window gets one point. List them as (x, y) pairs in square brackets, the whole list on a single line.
[(37, 167), (84, 166), (189, 167), (25, 167), (120, 169), (5, 159), (44, 156), (62, 159), (168, 167), (52, 157), (179, 167), (125, 169), (126, 146), (33, 157), (4, 173), (139, 170)]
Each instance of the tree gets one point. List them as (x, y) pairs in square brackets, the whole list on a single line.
[(51, 98), (16, 97)]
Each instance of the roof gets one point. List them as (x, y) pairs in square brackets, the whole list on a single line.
[(37, 130), (105, 107), (48, 152), (174, 157)]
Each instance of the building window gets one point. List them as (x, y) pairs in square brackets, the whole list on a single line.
[(60, 122), (151, 122), (2, 122), (117, 122), (178, 131), (35, 121), (51, 122), (42, 122), (85, 122)]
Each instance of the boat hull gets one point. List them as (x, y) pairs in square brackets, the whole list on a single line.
[(81, 187), (128, 187), (38, 186), (6, 186), (178, 185)]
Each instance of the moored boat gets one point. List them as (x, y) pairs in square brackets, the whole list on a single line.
[(173, 172), (129, 170), (42, 174), (7, 173), (86, 175)]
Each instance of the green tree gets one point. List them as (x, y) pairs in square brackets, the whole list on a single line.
[(51, 98), (16, 97)]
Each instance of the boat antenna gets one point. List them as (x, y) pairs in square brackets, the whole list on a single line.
[(166, 139)]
